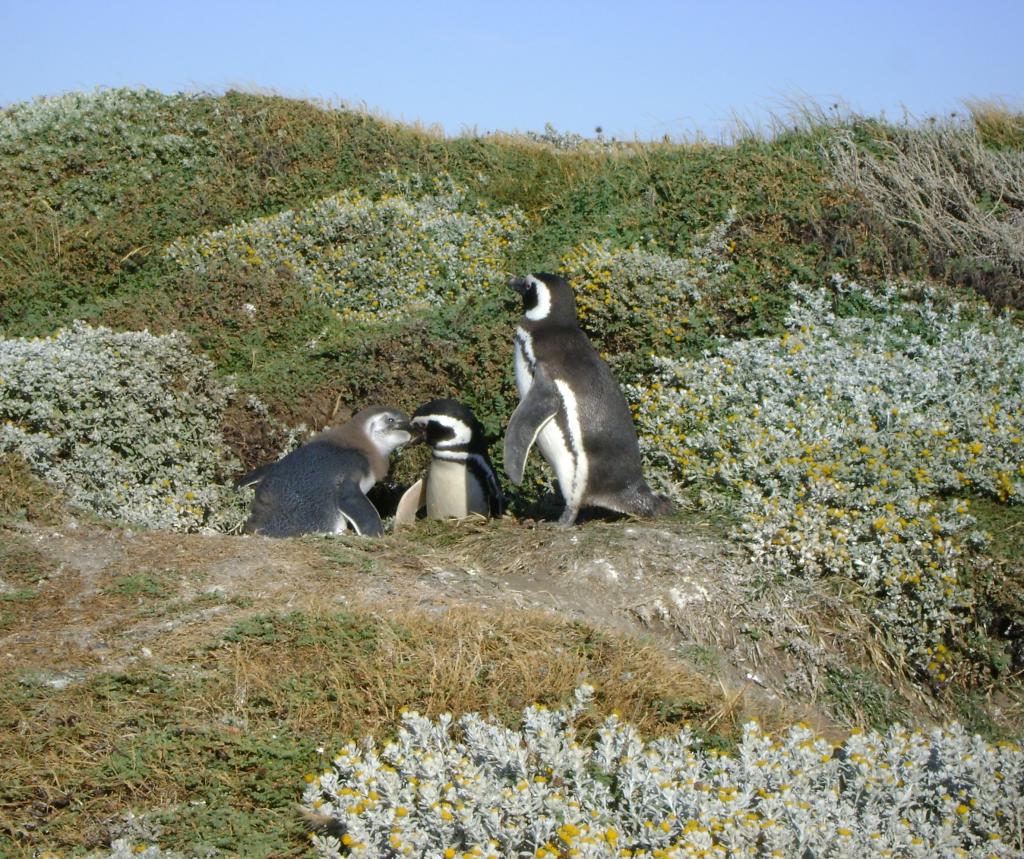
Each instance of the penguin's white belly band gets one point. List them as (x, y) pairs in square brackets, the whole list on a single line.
[(572, 453), (452, 491), (565, 455)]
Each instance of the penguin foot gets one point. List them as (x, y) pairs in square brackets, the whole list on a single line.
[(568, 517)]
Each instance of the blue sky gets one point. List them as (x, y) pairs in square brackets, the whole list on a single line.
[(637, 69)]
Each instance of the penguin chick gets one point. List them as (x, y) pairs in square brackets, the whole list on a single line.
[(460, 479), (321, 487), (573, 408)]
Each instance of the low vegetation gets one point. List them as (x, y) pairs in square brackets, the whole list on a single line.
[(818, 331), (476, 788), (851, 444)]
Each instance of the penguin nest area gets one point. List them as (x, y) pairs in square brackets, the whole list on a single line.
[(86, 598)]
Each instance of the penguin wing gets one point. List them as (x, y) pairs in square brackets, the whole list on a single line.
[(412, 502), (539, 406), (495, 498), (358, 511)]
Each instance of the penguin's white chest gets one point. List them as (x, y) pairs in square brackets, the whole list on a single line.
[(453, 491), (564, 449)]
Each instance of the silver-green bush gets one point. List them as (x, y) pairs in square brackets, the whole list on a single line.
[(475, 788), (374, 257), (850, 443), (126, 424), (142, 133)]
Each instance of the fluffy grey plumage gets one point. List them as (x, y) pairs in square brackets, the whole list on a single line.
[(321, 486)]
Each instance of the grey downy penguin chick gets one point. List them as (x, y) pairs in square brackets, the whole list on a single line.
[(573, 408), (460, 479), (321, 486)]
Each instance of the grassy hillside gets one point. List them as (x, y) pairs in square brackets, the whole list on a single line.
[(819, 333)]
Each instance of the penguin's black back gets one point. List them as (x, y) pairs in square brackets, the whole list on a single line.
[(299, 493), (609, 435)]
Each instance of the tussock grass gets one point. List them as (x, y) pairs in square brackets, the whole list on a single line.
[(947, 186)]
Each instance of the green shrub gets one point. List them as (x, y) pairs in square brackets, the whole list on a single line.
[(373, 257)]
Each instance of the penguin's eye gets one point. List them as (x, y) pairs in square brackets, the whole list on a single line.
[(391, 420)]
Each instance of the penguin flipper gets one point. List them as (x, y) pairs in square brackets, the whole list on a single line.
[(358, 510), (539, 406), (495, 498), (414, 499)]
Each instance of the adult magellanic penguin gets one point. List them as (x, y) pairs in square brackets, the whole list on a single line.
[(460, 479), (573, 407), (321, 486)]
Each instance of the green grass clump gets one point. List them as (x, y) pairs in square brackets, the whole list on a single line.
[(997, 124)]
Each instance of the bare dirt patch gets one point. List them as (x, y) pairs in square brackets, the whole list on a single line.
[(111, 597)]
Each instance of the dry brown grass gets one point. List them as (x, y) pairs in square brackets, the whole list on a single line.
[(461, 660), (212, 737), (963, 199), (24, 495)]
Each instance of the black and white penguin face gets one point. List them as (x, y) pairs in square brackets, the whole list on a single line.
[(536, 297), (388, 430), (546, 297), (445, 424)]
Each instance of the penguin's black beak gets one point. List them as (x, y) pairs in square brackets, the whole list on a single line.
[(519, 284), (419, 432)]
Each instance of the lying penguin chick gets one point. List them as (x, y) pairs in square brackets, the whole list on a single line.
[(572, 406), (460, 479), (321, 487)]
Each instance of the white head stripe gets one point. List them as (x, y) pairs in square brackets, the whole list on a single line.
[(462, 432), (543, 306)]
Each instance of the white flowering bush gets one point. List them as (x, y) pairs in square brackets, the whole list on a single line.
[(474, 788), (373, 257), (850, 444), (126, 424)]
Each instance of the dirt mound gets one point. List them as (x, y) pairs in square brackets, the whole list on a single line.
[(680, 583)]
